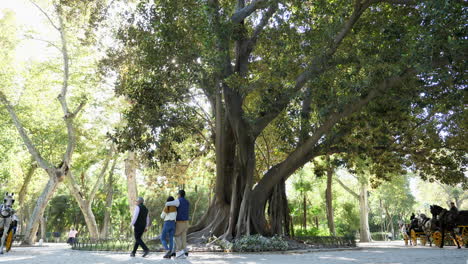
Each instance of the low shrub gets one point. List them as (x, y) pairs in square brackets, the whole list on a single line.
[(257, 243), (308, 232), (379, 236)]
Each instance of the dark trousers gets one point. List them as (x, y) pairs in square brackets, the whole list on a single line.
[(138, 242)]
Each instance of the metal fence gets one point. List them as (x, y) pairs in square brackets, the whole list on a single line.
[(126, 244)]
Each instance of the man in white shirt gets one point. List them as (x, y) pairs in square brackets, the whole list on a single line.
[(140, 223)]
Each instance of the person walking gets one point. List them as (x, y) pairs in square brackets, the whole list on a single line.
[(182, 225), (169, 215), (140, 223), (72, 236)]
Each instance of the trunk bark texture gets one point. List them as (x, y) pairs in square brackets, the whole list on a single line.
[(43, 228), (329, 200), (41, 204), (364, 232), (109, 199), (130, 172), (278, 211)]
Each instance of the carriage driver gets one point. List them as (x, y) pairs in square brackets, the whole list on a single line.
[(453, 208)]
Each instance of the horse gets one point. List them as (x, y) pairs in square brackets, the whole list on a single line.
[(404, 230), (448, 221), (426, 224), (6, 217)]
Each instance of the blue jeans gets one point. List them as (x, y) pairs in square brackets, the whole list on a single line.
[(168, 231)]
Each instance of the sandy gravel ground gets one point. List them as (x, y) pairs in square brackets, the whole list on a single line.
[(369, 253)]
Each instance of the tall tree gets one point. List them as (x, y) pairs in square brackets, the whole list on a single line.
[(257, 61), (362, 197), (85, 200), (56, 173)]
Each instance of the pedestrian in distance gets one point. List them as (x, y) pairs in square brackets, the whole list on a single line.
[(72, 236)]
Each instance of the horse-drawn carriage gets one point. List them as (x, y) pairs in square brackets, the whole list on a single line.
[(434, 229), (418, 229), (415, 234), (454, 222)]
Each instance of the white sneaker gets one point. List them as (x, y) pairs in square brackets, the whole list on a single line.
[(180, 254)]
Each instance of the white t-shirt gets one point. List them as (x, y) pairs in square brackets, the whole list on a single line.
[(72, 233)]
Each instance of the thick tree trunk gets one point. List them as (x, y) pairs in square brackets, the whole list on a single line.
[(329, 199), (214, 223), (90, 220), (130, 173), (24, 187), (278, 211), (364, 214), (23, 212), (43, 228), (41, 204)]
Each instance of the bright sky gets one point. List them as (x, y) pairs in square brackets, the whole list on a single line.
[(30, 19)]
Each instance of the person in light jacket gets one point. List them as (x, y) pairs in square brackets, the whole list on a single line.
[(169, 215)]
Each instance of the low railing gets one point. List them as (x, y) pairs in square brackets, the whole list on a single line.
[(113, 244), (327, 241), (126, 244)]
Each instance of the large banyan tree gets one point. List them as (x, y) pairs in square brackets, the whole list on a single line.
[(376, 78)]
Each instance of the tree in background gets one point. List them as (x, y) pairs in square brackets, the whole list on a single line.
[(58, 172), (393, 199)]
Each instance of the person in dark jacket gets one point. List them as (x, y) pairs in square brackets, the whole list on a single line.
[(182, 224), (140, 223), (453, 208)]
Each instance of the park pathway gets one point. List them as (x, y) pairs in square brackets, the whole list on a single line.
[(369, 253)]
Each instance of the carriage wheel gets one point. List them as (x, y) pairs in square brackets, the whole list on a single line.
[(437, 238), (414, 237), (423, 240), (464, 235), (9, 241), (458, 238)]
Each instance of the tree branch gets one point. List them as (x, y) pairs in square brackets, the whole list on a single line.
[(73, 187), (24, 136), (46, 41), (46, 15), (263, 22), (318, 65), (78, 108), (303, 153), (246, 11), (93, 192), (353, 193), (402, 2), (68, 117), (247, 46)]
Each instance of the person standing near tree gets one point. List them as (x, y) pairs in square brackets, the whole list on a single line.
[(140, 223), (182, 224)]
